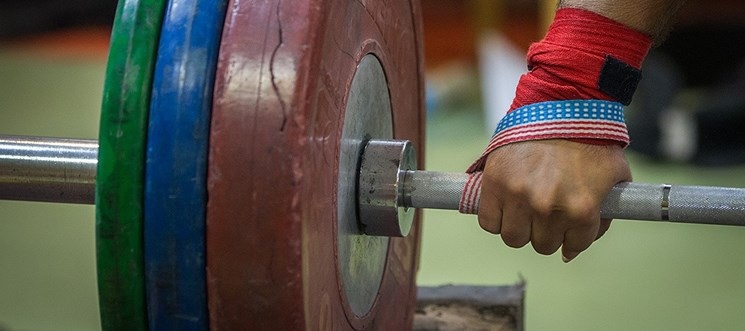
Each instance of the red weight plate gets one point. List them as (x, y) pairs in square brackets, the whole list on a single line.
[(284, 73)]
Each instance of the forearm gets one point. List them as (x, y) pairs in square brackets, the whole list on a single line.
[(653, 17)]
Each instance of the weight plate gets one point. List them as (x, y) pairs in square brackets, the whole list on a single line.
[(275, 240), (176, 167), (121, 162)]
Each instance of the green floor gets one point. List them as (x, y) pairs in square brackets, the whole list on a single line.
[(640, 276)]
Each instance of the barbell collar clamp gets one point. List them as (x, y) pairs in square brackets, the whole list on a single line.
[(384, 165)]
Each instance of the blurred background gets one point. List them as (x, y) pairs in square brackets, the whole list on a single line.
[(687, 125)]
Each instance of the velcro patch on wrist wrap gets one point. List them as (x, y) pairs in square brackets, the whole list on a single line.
[(618, 79)]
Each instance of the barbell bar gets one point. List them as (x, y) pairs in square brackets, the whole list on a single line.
[(398, 185), (64, 170)]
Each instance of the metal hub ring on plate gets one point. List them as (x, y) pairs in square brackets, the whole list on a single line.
[(361, 258)]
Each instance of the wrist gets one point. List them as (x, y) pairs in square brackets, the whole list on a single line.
[(584, 56)]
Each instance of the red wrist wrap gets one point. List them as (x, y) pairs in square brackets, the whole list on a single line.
[(568, 62)]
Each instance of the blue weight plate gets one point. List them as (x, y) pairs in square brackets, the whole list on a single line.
[(176, 165)]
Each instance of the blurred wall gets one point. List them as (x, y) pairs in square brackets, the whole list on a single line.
[(47, 252)]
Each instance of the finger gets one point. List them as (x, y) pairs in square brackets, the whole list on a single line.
[(578, 239), (516, 226), (490, 217), (490, 212), (545, 237), (604, 226)]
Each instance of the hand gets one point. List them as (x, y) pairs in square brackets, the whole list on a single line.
[(548, 192)]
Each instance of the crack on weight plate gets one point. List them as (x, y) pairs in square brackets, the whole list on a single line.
[(272, 59), (339, 46)]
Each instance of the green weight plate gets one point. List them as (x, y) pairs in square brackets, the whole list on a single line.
[(120, 176)]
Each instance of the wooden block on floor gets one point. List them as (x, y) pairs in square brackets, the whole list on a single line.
[(473, 308)]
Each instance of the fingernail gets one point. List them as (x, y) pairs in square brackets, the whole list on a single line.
[(566, 259)]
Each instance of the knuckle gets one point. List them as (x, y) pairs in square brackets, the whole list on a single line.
[(543, 207), (585, 218), (584, 209), (515, 188)]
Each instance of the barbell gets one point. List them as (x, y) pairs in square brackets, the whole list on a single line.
[(256, 167), (387, 185)]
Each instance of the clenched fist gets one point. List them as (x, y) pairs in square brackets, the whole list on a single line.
[(548, 193)]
